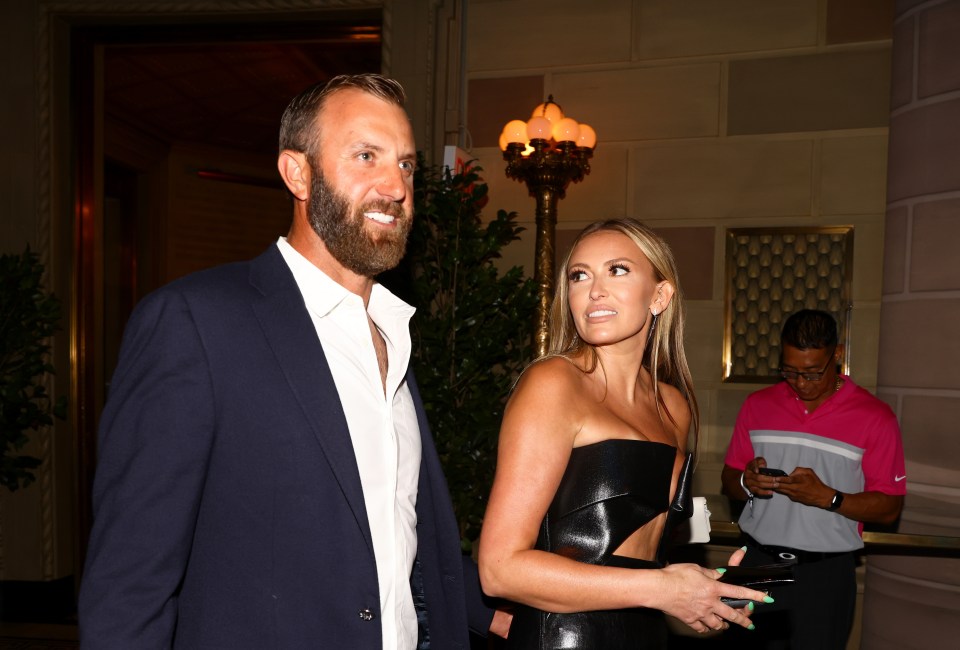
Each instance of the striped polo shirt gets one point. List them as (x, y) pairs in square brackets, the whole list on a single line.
[(852, 441)]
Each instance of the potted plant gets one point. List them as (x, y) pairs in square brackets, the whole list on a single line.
[(472, 330), (28, 317)]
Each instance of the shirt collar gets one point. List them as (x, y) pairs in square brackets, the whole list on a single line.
[(323, 295)]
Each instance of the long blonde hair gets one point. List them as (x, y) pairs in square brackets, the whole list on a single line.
[(664, 356)]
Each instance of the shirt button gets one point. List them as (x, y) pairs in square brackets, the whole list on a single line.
[(366, 615)]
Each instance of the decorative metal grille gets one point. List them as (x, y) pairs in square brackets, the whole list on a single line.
[(771, 273)]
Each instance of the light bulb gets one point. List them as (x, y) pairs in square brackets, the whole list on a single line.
[(549, 110), (515, 131), (503, 142), (588, 137), (566, 130), (539, 127)]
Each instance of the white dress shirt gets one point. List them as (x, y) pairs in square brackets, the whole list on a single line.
[(383, 427)]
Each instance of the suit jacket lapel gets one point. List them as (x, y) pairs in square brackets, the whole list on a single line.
[(289, 330)]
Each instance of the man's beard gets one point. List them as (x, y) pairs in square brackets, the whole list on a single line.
[(344, 233)]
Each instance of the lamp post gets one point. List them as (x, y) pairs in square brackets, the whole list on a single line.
[(547, 152)]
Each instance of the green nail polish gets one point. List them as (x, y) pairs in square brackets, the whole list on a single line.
[(721, 570), (752, 627), (750, 606), (743, 548), (767, 599)]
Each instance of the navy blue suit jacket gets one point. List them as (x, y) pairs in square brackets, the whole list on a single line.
[(228, 510)]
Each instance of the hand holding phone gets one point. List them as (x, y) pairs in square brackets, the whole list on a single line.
[(769, 471)]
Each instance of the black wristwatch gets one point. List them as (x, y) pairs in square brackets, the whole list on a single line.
[(836, 501)]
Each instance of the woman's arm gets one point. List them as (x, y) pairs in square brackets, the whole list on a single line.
[(539, 429)]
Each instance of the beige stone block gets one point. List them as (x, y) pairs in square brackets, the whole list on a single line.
[(923, 151), (703, 342), (711, 180), (494, 102), (706, 480), (938, 66), (919, 345), (850, 21), (667, 28), (521, 34), (678, 101), (867, 258), (706, 400), (912, 602), (933, 246), (602, 194), (712, 460), (901, 64), (891, 399), (729, 401), (816, 92), (929, 425), (926, 511), (864, 344), (853, 175), (895, 250), (693, 251)]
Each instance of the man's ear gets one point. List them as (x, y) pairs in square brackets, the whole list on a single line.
[(662, 297), (295, 172), (838, 354)]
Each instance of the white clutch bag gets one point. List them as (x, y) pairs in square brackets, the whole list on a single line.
[(696, 530)]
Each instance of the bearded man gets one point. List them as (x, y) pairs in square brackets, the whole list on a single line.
[(266, 476)]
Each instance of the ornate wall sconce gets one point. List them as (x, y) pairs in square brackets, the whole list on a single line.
[(547, 152)]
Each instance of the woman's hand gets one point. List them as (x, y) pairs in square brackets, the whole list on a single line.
[(691, 594)]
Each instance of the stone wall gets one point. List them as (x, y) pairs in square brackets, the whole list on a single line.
[(710, 115)]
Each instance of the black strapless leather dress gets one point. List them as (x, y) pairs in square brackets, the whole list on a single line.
[(609, 490)]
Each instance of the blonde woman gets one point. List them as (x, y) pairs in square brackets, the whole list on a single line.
[(593, 451)]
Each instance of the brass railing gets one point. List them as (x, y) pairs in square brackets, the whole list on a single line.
[(909, 540), (872, 540)]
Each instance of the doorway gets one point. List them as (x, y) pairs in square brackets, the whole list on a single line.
[(175, 129)]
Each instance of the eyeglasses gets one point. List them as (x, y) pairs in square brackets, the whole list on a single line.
[(807, 376)]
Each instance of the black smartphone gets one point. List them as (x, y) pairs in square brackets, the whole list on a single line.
[(771, 471)]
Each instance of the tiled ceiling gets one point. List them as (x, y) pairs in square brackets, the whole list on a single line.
[(227, 92)]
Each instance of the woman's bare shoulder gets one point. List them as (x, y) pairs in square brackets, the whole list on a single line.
[(671, 394), (554, 370), (545, 410), (553, 380)]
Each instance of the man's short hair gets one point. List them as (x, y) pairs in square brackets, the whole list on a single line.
[(298, 126), (809, 328)]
